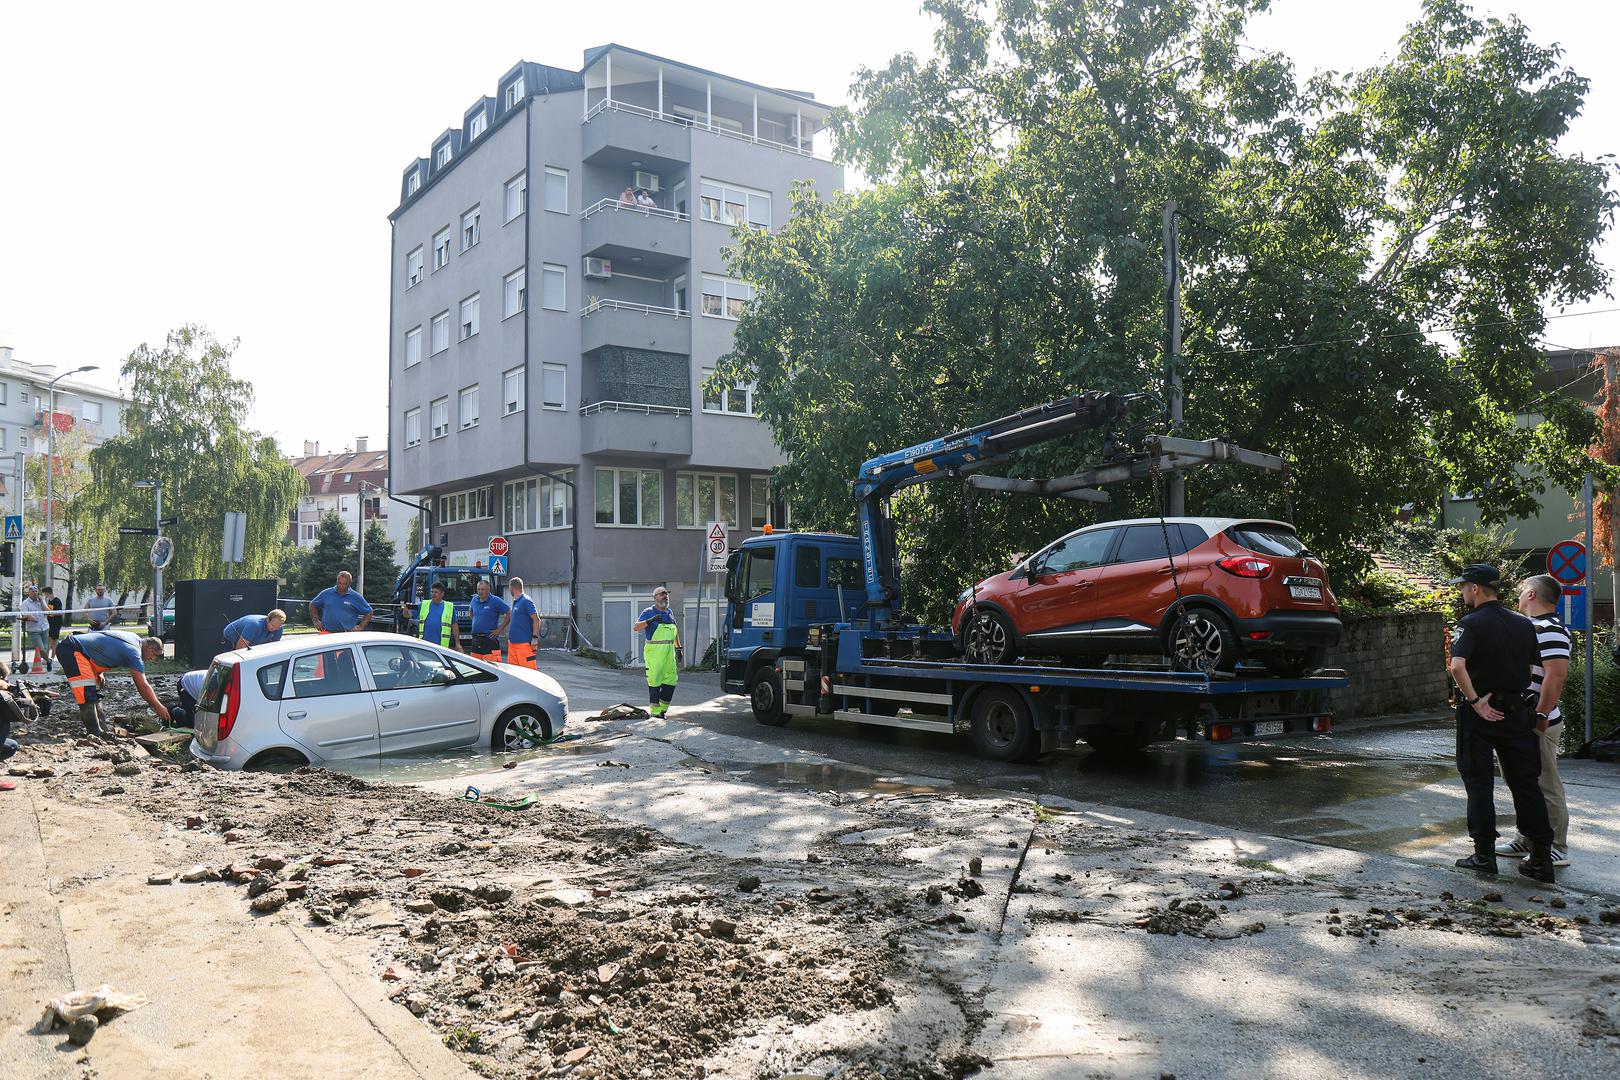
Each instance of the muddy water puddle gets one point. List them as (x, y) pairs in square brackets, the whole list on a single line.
[(467, 760)]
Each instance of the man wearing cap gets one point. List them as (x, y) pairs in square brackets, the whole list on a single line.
[(1492, 653), (662, 652)]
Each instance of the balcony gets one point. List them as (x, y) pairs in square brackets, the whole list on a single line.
[(618, 133), (635, 326), (638, 239), (635, 429)]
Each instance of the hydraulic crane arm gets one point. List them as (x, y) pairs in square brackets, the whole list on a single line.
[(426, 558)]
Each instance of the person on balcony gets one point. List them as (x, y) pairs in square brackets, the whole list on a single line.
[(645, 201), (627, 197)]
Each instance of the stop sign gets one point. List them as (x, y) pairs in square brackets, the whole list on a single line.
[(497, 545)]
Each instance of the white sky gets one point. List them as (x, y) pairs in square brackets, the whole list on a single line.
[(234, 165)]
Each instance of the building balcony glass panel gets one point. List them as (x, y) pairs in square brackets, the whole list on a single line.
[(637, 239), (635, 429), (635, 326)]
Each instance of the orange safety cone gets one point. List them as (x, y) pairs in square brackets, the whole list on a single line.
[(39, 664)]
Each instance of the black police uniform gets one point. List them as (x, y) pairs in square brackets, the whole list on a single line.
[(1500, 646)]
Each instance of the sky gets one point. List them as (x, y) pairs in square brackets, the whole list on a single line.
[(234, 165)]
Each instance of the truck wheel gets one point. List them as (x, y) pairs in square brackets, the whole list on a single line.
[(765, 696), (1202, 640), (1002, 727), (988, 638)]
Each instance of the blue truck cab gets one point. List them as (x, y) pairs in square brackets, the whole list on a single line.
[(777, 587)]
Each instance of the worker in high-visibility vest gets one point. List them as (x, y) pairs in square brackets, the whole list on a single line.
[(436, 619), (662, 652)]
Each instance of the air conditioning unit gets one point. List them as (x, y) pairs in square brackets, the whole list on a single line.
[(646, 180), (598, 268)]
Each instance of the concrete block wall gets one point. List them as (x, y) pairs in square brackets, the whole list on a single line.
[(1397, 663)]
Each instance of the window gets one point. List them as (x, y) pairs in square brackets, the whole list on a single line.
[(553, 386), (845, 573), (725, 298), (439, 417), (413, 268), (324, 674), (737, 400), (480, 123), (807, 567), (441, 156), (556, 190), (1144, 542), (469, 505), (630, 497), (24, 396), (553, 287), (1077, 552), (441, 249), (413, 183), (513, 296), (5, 392), (441, 333), (22, 442), (517, 195), (309, 531), (1265, 539), (2, 438), (511, 391), (732, 205), (469, 317), (467, 406), (514, 92), (92, 412), (469, 228), (405, 667), (756, 573), (759, 502), (537, 503), (413, 346), (273, 679), (704, 497), (413, 427)]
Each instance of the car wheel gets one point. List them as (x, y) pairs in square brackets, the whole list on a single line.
[(276, 761), (1293, 665), (989, 638), (1003, 730), (765, 697), (522, 728), (1201, 639)]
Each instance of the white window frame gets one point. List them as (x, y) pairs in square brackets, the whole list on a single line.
[(707, 200), (413, 269), (514, 292), (22, 442), (727, 289), (5, 393), (469, 504), (552, 172), (413, 346), (514, 93), (517, 187), (512, 392), (413, 182), (413, 427), (725, 408), (439, 408), (467, 317), (640, 475), (2, 438), (464, 421), (441, 156), (534, 500), (84, 411), (550, 275), (471, 226), (441, 249), (479, 123), (441, 320), (703, 515), (546, 371)]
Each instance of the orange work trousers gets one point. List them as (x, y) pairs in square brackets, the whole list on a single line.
[(521, 654)]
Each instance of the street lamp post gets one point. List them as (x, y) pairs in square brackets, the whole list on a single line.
[(361, 569), (50, 476), (157, 571)]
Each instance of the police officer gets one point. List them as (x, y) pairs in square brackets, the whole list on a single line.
[(436, 619), (1492, 653), (489, 617), (662, 652)]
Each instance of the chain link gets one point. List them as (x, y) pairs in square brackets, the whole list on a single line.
[(1164, 527)]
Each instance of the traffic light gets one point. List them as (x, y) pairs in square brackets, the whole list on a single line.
[(8, 558)]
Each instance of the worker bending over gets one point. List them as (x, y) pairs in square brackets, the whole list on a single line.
[(662, 652), (524, 628), (87, 657), (489, 617), (251, 630)]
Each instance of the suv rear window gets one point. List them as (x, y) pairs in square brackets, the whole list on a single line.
[(213, 687), (1264, 538)]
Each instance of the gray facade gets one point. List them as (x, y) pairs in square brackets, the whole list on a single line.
[(597, 376)]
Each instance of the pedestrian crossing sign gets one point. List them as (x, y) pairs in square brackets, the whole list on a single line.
[(13, 526), (497, 564)]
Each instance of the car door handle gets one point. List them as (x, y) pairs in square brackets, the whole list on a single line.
[(299, 715), (1082, 585), (390, 704), (1167, 570)]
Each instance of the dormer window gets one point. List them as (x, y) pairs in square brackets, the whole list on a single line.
[(514, 92), (480, 123), (441, 156), (413, 182)]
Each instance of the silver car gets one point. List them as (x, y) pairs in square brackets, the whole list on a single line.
[(310, 700)]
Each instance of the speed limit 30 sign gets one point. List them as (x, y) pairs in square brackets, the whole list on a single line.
[(716, 546)]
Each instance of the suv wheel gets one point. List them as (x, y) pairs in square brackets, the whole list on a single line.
[(1201, 639), (988, 638)]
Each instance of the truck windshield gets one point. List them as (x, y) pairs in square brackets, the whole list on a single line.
[(462, 585)]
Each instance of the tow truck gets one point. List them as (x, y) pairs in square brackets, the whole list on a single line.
[(814, 624), (413, 585)]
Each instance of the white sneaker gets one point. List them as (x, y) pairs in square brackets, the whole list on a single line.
[(1560, 856), (1513, 847)]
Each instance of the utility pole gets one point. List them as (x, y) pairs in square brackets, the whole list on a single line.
[(1609, 392), (1175, 482), (157, 571), (50, 479), (17, 652), (1591, 536), (362, 568)]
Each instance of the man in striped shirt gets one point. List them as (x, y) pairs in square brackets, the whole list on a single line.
[(1538, 599)]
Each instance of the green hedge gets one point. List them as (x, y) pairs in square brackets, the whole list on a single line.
[(1605, 691)]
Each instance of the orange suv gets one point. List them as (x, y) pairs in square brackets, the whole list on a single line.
[(1205, 592)]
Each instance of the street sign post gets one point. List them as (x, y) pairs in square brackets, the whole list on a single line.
[(715, 547), (497, 564), (497, 545), (1567, 562), (13, 526)]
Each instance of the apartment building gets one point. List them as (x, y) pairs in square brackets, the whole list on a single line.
[(559, 296), (353, 484)]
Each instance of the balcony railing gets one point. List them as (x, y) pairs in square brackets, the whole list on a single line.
[(624, 305), (596, 407), (687, 122), (614, 205)]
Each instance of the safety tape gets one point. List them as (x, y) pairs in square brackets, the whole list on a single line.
[(117, 612)]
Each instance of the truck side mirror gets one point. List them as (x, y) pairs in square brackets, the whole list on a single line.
[(732, 561)]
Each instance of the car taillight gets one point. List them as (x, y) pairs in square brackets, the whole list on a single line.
[(1249, 566), (230, 702)]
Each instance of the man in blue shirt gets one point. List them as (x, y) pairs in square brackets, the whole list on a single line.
[(489, 617), (339, 609), (86, 657), (524, 629), (251, 630), (436, 620), (661, 653)]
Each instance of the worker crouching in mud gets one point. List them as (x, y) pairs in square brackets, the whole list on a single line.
[(18, 705), (87, 657), (662, 652)]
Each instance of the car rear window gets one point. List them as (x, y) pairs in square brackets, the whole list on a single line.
[(213, 687), (1265, 538), (272, 679)]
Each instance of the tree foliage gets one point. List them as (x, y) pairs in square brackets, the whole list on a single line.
[(186, 427), (1009, 252), (381, 565), (334, 550), (74, 525)]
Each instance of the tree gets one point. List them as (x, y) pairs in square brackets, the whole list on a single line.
[(186, 427), (381, 566), (1009, 253), (75, 529), (333, 551)]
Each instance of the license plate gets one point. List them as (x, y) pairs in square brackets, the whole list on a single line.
[(1305, 592), (1268, 727)]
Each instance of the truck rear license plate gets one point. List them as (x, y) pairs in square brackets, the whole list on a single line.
[(1305, 592), (1269, 727)]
